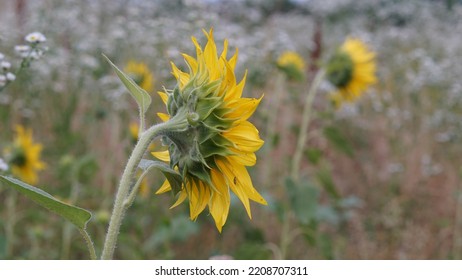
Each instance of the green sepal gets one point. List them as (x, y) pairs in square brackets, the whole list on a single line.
[(76, 215), (140, 95), (206, 106), (217, 123), (173, 177)]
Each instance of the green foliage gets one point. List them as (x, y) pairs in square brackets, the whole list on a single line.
[(140, 95), (303, 199), (340, 142), (173, 177), (76, 215), (314, 155)]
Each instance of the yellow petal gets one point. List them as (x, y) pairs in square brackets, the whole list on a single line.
[(181, 76), (191, 62), (198, 198), (181, 197), (164, 188), (231, 177), (163, 96), (163, 155), (245, 137), (220, 201), (163, 117), (245, 182), (242, 108)]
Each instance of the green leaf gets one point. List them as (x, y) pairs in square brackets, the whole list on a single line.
[(339, 141), (314, 155), (173, 177), (325, 178), (75, 215), (140, 95), (303, 199)]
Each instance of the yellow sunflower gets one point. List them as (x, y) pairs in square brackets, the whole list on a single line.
[(141, 74), (24, 156), (213, 152), (292, 64), (351, 70)]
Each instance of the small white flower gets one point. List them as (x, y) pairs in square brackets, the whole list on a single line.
[(1, 56), (35, 37), (10, 76), (22, 50), (3, 165), (5, 65), (2, 80), (36, 54)]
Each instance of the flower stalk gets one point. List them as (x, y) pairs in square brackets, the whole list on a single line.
[(179, 122), (306, 117)]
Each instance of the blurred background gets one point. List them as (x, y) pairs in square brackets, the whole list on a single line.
[(381, 177)]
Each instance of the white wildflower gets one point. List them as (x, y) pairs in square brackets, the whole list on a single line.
[(35, 37), (5, 65), (1, 56), (22, 50), (2, 80), (10, 76), (3, 165)]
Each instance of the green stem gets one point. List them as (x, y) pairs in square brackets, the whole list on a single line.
[(91, 247), (271, 127), (10, 223), (306, 116), (177, 122), (131, 197), (24, 64)]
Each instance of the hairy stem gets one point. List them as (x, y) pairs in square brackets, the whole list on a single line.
[(177, 122), (306, 116)]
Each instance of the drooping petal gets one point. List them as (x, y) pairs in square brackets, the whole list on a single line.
[(164, 188)]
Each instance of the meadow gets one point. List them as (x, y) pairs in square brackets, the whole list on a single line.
[(379, 176)]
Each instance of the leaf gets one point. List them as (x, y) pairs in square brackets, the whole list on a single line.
[(325, 178), (140, 95), (339, 141), (314, 155), (304, 200), (173, 177), (75, 215)]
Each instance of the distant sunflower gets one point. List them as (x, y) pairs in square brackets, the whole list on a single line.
[(141, 74), (292, 64), (213, 152), (351, 70), (24, 156)]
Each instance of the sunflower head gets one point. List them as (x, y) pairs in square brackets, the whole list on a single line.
[(212, 152), (351, 69), (292, 64), (24, 156), (141, 74)]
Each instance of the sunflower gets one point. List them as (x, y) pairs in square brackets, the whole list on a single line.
[(141, 74), (24, 156), (351, 70), (213, 152), (292, 64)]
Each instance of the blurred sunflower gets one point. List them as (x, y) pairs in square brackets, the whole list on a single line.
[(24, 156), (351, 70), (292, 64), (141, 74), (213, 152)]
